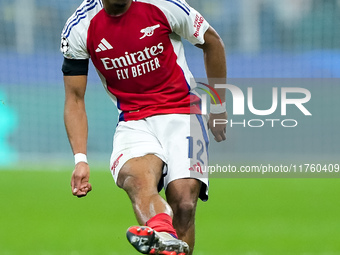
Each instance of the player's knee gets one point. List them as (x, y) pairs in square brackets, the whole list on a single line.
[(184, 218), (184, 213), (129, 183), (135, 183), (140, 173), (129, 179)]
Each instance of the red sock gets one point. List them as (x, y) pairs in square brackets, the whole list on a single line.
[(162, 222)]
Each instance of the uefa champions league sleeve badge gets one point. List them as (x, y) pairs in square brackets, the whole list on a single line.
[(65, 46)]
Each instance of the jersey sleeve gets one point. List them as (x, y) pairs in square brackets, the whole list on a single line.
[(74, 34), (73, 47), (73, 43), (185, 21)]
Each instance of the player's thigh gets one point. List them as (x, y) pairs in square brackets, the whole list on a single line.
[(140, 173), (183, 190), (137, 156)]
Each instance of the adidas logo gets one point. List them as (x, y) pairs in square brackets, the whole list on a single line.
[(104, 45)]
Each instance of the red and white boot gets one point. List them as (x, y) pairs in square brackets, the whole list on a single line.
[(148, 241)]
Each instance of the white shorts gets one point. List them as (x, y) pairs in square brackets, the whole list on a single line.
[(179, 140)]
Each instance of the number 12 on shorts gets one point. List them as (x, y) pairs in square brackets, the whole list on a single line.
[(196, 167)]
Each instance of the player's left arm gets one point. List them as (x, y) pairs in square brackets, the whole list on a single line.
[(190, 25), (216, 68)]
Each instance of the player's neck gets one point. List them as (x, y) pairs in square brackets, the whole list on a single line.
[(116, 9)]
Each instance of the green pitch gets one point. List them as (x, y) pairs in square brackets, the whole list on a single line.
[(39, 216)]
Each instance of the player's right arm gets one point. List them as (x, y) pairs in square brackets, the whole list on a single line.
[(76, 127), (75, 70)]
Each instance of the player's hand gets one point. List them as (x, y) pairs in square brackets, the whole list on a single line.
[(218, 128), (80, 180)]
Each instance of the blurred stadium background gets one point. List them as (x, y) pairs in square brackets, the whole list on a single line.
[(263, 38), (271, 39)]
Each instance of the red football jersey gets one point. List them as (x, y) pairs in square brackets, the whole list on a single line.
[(139, 55)]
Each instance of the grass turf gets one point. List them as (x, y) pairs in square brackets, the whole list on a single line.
[(39, 215)]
